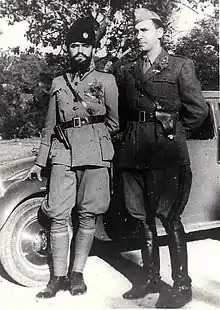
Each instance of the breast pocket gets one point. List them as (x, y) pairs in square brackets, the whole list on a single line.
[(164, 87)]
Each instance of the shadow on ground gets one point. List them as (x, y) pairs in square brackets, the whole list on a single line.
[(112, 255)]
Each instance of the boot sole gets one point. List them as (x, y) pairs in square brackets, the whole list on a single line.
[(133, 296), (52, 296), (173, 306), (79, 291)]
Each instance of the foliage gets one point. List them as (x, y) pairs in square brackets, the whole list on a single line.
[(201, 45), (24, 84), (25, 77), (49, 20)]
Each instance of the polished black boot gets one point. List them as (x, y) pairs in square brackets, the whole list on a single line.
[(179, 257), (151, 282), (55, 284), (181, 292), (77, 284), (151, 285), (174, 298)]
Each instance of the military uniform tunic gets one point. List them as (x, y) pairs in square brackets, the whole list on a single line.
[(79, 175), (90, 144), (172, 81), (156, 170)]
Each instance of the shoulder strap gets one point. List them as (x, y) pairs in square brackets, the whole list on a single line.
[(75, 94), (57, 112), (142, 89)]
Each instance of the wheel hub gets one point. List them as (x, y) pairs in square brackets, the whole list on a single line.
[(41, 242), (34, 244)]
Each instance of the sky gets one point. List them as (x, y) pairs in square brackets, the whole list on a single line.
[(13, 36)]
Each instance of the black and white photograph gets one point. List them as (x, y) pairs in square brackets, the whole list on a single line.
[(109, 154)]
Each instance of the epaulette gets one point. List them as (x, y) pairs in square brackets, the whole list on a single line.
[(68, 70), (178, 56), (131, 64), (61, 72), (102, 71), (58, 74)]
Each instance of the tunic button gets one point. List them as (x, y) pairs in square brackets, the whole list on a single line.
[(76, 83), (75, 108), (170, 137)]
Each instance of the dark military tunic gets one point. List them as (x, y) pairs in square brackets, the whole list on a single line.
[(172, 81)]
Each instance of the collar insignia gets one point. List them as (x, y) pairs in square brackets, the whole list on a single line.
[(161, 64)]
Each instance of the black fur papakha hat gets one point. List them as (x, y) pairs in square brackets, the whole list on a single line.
[(81, 31)]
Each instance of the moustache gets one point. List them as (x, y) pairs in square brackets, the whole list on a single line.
[(80, 54)]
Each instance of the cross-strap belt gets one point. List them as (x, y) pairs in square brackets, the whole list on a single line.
[(77, 122)]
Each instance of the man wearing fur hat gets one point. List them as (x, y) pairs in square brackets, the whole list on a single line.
[(160, 105), (82, 116)]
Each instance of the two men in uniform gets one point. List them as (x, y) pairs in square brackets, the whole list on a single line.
[(82, 115), (160, 105)]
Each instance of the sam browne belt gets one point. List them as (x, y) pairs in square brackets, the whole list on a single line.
[(142, 116), (77, 122), (167, 119)]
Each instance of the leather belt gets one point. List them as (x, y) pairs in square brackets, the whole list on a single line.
[(143, 116), (77, 122)]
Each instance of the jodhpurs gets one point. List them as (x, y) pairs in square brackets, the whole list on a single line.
[(86, 189)]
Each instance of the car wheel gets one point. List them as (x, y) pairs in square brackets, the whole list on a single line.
[(24, 246)]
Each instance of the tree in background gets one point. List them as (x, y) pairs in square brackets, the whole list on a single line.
[(25, 80), (25, 77), (49, 20), (202, 45)]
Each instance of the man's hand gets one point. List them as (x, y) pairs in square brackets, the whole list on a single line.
[(34, 172)]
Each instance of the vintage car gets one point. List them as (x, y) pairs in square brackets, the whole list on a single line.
[(24, 230)]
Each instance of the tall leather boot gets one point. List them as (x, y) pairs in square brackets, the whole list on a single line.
[(151, 264), (181, 292)]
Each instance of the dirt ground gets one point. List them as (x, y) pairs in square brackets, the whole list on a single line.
[(107, 282)]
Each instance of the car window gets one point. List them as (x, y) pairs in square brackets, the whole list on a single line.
[(207, 130)]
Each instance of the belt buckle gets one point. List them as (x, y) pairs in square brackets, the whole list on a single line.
[(142, 116), (76, 122)]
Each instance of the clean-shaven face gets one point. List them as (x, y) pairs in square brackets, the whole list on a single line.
[(148, 35), (80, 52)]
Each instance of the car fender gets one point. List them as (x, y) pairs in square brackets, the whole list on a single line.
[(16, 193)]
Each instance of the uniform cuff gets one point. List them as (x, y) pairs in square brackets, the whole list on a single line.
[(42, 156)]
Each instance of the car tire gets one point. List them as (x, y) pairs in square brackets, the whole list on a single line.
[(24, 246)]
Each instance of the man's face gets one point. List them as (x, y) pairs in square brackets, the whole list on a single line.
[(148, 35), (80, 52)]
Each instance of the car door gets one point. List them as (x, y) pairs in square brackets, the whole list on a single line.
[(203, 208)]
